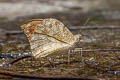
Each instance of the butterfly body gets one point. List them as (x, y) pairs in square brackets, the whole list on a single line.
[(47, 36)]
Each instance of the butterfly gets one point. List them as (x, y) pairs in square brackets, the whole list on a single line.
[(48, 36)]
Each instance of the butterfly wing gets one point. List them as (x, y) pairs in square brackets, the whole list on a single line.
[(47, 36)]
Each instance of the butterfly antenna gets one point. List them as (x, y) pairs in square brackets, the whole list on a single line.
[(86, 22)]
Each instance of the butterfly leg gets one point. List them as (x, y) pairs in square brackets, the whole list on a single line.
[(50, 60)]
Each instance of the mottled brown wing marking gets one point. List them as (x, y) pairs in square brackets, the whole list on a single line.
[(56, 29), (32, 28), (29, 27), (57, 37)]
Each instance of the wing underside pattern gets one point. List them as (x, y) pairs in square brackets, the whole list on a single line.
[(47, 36)]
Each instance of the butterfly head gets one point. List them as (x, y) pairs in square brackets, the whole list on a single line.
[(77, 40), (77, 37)]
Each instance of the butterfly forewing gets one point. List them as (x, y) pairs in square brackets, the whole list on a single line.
[(47, 36)]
